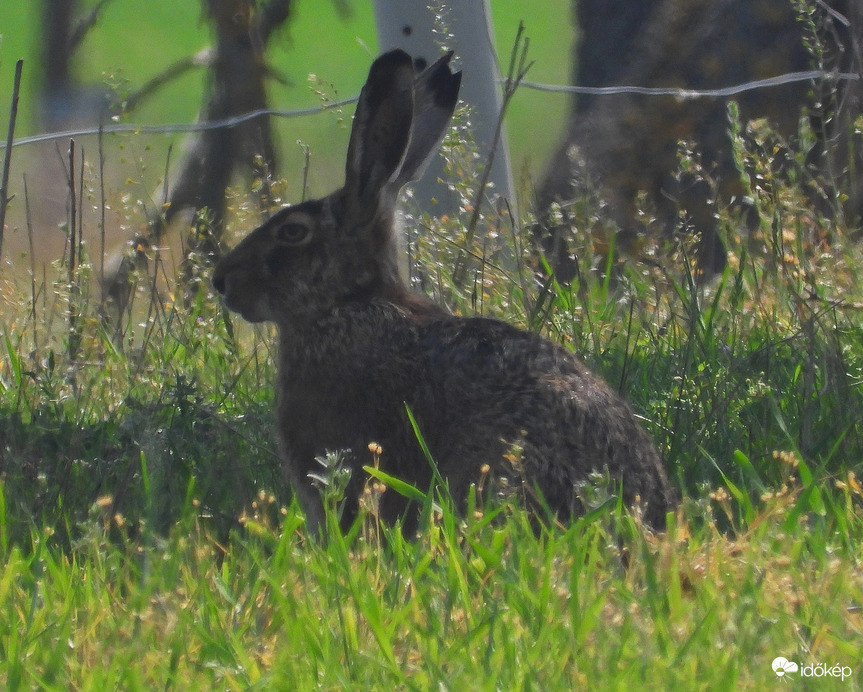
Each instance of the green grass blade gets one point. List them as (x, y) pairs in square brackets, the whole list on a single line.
[(401, 487)]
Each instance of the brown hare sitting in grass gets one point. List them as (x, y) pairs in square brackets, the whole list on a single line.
[(356, 347)]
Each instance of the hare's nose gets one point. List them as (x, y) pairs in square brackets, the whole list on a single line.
[(219, 283)]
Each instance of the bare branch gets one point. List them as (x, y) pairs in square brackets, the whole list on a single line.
[(7, 157), (85, 24), (271, 17), (202, 58)]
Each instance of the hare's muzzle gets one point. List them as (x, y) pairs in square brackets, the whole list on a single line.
[(233, 298), (220, 283)]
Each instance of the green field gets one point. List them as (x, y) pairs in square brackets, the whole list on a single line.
[(148, 541)]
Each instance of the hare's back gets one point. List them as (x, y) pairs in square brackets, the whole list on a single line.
[(487, 357), (503, 385)]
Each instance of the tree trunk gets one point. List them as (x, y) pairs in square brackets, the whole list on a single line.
[(236, 86)]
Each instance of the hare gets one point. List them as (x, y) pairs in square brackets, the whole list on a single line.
[(356, 348)]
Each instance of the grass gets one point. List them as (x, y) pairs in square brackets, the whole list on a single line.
[(144, 547), (147, 539), (482, 606)]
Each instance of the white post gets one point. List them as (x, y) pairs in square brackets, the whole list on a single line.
[(463, 26)]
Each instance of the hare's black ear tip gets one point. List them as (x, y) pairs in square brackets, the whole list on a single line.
[(442, 82), (392, 60), (392, 70)]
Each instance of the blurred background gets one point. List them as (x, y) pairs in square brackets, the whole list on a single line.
[(322, 52)]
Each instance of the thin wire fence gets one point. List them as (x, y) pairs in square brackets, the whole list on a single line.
[(726, 92), (683, 94)]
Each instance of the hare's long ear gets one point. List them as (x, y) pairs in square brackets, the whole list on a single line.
[(435, 98), (381, 130)]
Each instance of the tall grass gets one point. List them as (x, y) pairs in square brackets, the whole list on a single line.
[(148, 540), (473, 604)]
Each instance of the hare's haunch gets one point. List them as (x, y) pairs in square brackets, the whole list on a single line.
[(356, 346)]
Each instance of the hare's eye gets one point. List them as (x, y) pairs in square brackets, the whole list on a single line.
[(293, 233)]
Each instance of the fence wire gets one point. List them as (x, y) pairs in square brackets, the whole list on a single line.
[(683, 94), (726, 92)]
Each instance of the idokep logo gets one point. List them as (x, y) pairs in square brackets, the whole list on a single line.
[(783, 667)]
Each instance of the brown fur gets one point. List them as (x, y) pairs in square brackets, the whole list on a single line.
[(356, 347)]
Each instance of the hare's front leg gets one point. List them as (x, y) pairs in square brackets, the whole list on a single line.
[(308, 497)]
